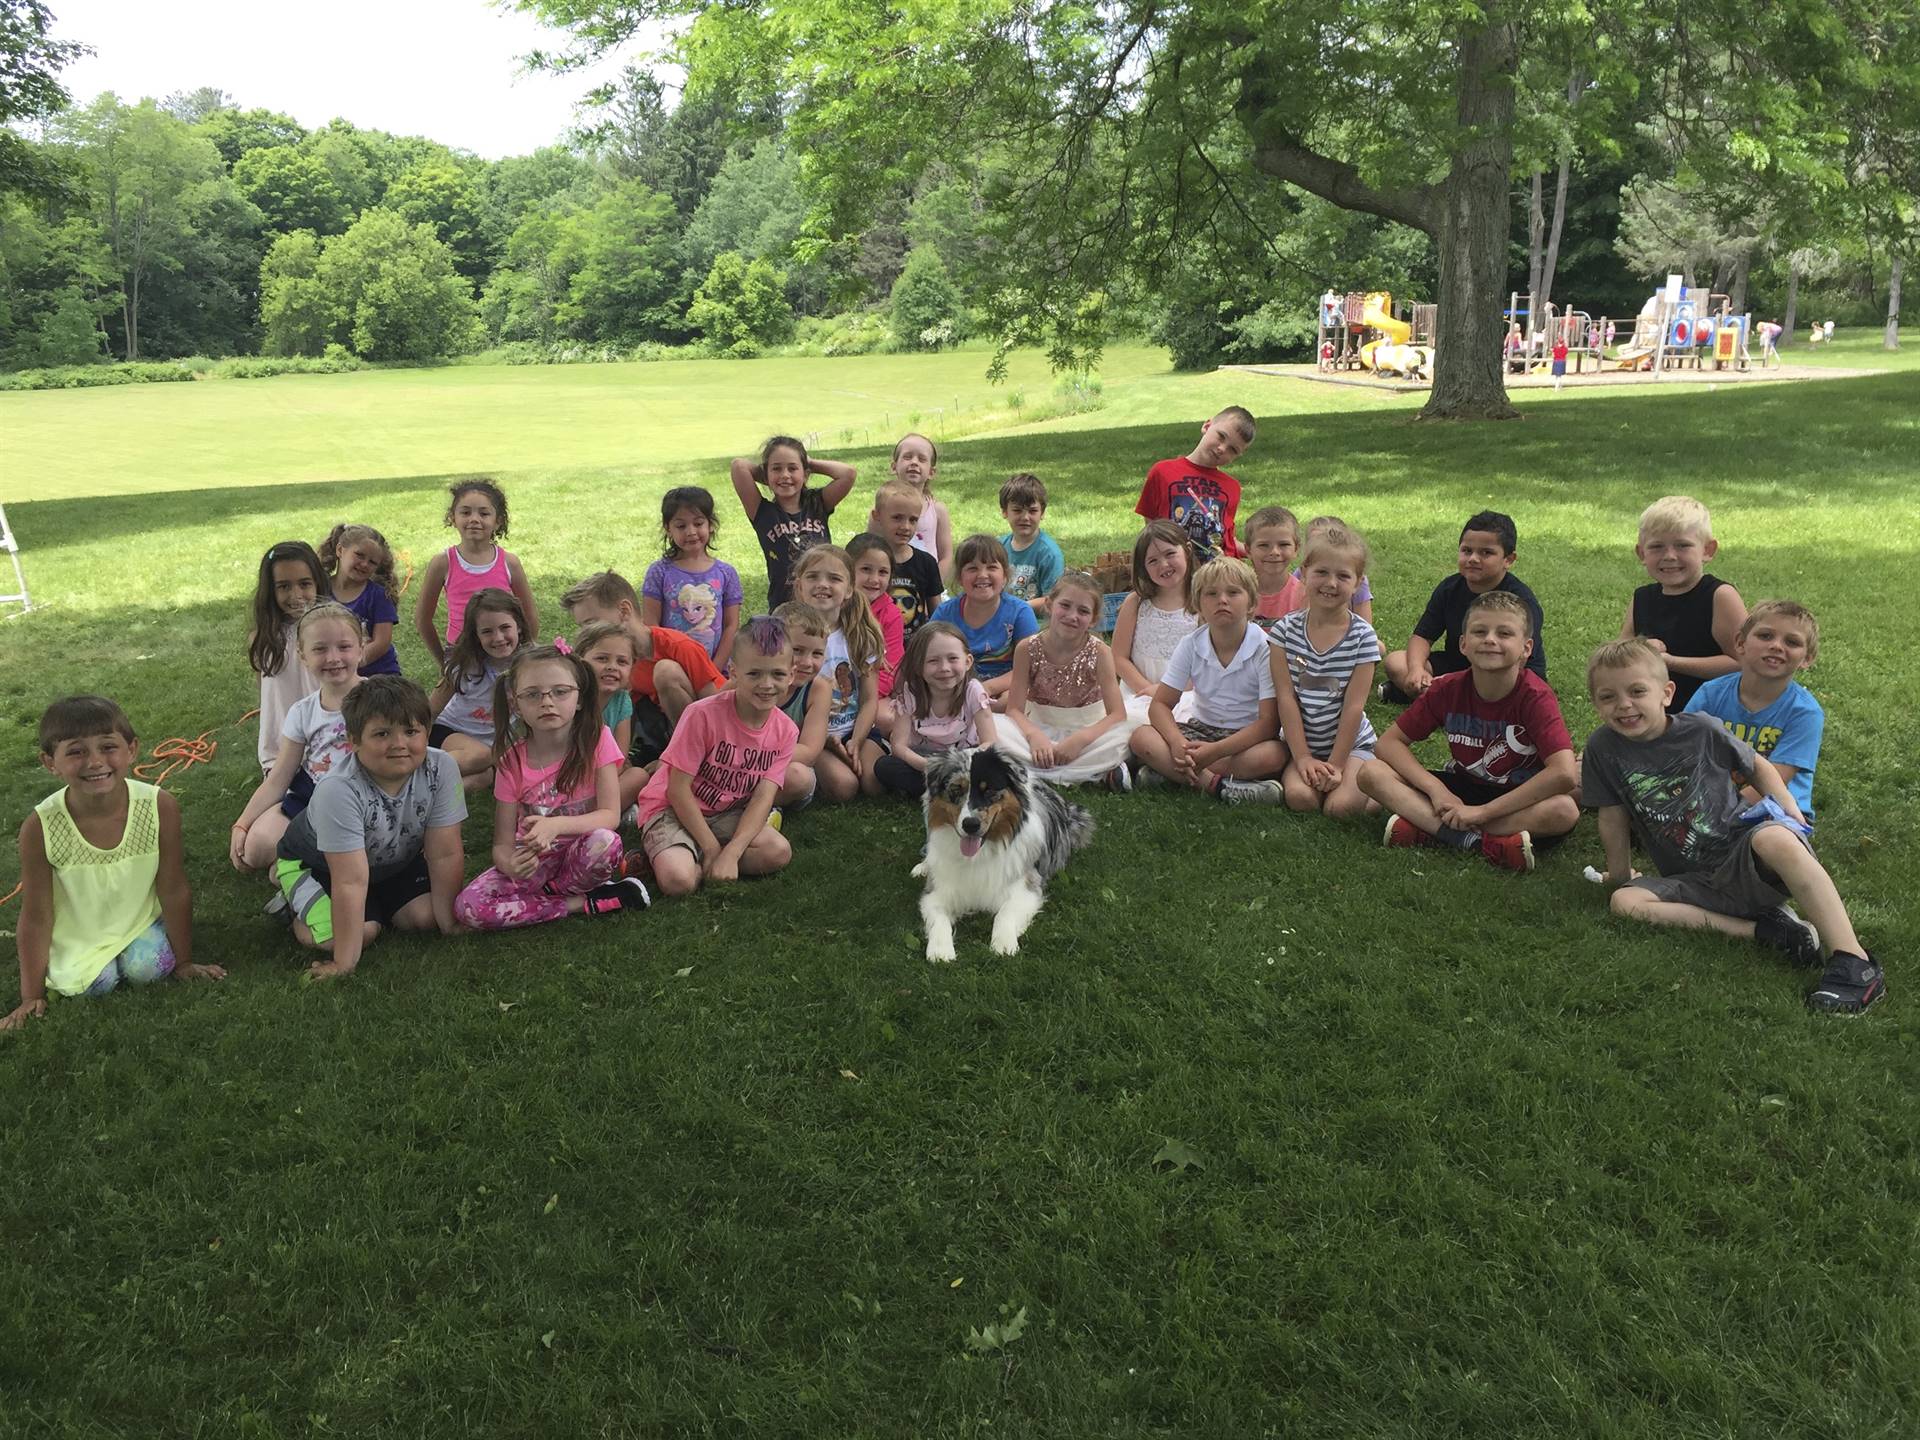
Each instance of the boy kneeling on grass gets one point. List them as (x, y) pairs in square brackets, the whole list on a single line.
[(1507, 787), (103, 880), (1724, 865), (379, 843)]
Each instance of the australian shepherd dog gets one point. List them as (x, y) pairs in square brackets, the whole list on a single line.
[(995, 836)]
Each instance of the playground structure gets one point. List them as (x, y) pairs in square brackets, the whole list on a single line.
[(1359, 331), (1678, 328)]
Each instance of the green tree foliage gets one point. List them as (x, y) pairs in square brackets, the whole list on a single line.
[(741, 307), (30, 64), (296, 316), (393, 291), (448, 196), (293, 188), (235, 132), (523, 183), (754, 207), (618, 256), (196, 105), (52, 262), (927, 309)]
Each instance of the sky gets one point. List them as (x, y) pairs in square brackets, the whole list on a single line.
[(446, 69)]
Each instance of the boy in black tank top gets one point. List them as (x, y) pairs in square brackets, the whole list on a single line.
[(1691, 618)]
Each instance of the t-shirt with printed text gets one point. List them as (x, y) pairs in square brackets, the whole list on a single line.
[(1199, 499), (785, 536), (1787, 732), (726, 759), (1502, 742)]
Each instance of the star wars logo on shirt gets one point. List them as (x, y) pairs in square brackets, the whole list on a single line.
[(1199, 507)]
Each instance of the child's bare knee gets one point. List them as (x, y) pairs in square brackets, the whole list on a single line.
[(1629, 900)]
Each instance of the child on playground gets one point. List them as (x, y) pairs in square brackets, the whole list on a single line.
[(872, 575), (478, 511), (103, 881), (1507, 787), (1690, 617), (1065, 712), (824, 580), (941, 705), (916, 586), (1194, 492), (313, 737), (360, 564), (688, 589), (556, 802), (1322, 660), (916, 459), (1362, 604), (1156, 615), (1488, 546), (1034, 561), (1763, 704), (1231, 748), (379, 845), (792, 517), (1273, 539), (1724, 865), (704, 814), (992, 620), (670, 670), (289, 581), (462, 704), (809, 699)]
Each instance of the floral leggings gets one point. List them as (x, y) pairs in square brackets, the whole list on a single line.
[(497, 901)]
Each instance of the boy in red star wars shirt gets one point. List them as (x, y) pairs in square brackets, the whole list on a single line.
[(1195, 493)]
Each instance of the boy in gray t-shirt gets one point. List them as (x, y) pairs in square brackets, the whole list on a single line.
[(1670, 779), (379, 844)]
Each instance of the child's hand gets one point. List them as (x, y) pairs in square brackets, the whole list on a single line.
[(1045, 754), (198, 972), (521, 863), (1319, 774), (722, 868), (236, 843), (25, 1011), (1461, 816), (1418, 681), (539, 833), (328, 969), (1659, 647)]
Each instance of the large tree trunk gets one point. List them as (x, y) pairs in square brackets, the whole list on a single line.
[(1471, 236), (1552, 263), (1892, 339), (1536, 234), (1737, 296), (1787, 320)]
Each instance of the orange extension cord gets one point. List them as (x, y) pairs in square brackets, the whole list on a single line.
[(170, 757)]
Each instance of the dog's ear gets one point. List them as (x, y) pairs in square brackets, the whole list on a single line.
[(948, 771)]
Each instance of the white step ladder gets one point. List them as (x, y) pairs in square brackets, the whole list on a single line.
[(12, 547)]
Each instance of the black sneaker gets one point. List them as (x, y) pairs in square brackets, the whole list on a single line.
[(1789, 934), (1851, 984), (618, 895)]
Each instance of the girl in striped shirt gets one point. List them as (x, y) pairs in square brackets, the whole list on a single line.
[(1323, 661)]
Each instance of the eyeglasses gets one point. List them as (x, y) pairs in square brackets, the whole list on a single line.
[(556, 692)]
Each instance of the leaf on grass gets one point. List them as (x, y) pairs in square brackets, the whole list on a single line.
[(1179, 1155), (956, 1282), (553, 1204), (547, 1339), (506, 1005), (683, 972), (214, 1244), (989, 1338), (1774, 1102), (848, 1075)]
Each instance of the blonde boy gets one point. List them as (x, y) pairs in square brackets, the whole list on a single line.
[(1670, 780), (1690, 617), (915, 584), (1763, 704), (1273, 539)]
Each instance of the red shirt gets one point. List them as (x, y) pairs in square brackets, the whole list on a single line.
[(689, 654), (1199, 499), (1497, 742)]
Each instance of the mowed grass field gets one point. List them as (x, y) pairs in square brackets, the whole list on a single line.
[(1266, 1131)]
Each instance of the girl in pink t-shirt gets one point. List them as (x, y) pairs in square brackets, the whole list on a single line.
[(556, 793)]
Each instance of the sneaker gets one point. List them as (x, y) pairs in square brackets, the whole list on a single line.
[(618, 895), (1120, 778), (1789, 934), (1148, 778), (1509, 852), (632, 815), (1250, 792), (1401, 833), (774, 820), (1851, 984)]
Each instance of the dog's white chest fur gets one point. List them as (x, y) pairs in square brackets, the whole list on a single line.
[(1000, 879)]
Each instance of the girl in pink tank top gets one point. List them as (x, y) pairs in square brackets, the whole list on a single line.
[(478, 511)]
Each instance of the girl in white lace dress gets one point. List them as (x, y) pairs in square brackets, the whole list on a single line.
[(1156, 616)]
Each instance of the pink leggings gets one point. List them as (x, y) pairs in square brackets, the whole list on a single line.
[(496, 901)]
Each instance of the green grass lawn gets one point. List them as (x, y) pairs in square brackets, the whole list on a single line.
[(1467, 1158)]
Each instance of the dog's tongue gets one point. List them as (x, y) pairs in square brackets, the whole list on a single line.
[(970, 845)]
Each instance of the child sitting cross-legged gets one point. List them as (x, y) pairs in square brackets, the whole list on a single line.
[(103, 884), (939, 705), (704, 815), (556, 802), (1762, 703), (1230, 749), (379, 843), (1507, 787), (670, 670), (1724, 865), (1064, 709)]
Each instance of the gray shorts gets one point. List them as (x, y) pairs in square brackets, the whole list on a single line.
[(1741, 886)]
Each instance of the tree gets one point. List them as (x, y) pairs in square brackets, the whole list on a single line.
[(622, 281), (194, 106), (52, 262), (393, 291), (295, 312), (293, 188), (447, 196), (30, 65), (741, 307), (235, 132), (927, 311)]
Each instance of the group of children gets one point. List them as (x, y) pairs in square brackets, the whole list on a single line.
[(1238, 667)]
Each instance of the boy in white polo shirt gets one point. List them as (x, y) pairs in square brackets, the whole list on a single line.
[(1230, 749)]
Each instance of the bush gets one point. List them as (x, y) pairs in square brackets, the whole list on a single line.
[(741, 307), (259, 367), (80, 377), (1078, 394), (859, 332), (1192, 332), (927, 309)]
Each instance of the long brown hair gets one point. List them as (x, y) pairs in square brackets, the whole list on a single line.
[(267, 640), (913, 664), (1172, 534), (466, 660), (343, 535), (866, 647), (583, 735)]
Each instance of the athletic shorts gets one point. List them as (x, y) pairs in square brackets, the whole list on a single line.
[(1742, 885), (307, 894), (299, 794), (1475, 791)]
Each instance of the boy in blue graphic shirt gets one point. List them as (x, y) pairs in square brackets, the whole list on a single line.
[(1034, 561), (1762, 704)]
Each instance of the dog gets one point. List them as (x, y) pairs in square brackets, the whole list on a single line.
[(995, 836)]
